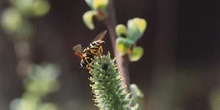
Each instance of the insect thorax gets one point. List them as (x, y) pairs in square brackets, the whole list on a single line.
[(94, 49)]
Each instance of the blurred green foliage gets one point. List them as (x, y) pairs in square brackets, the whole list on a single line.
[(136, 93), (31, 8), (14, 19), (215, 99), (40, 82)]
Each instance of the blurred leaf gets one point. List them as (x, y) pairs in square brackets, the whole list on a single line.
[(31, 7), (215, 99), (136, 92), (136, 54), (47, 106), (88, 19), (121, 30), (23, 6), (25, 32), (40, 7), (136, 107), (14, 104), (11, 20), (123, 45), (42, 79), (23, 104)]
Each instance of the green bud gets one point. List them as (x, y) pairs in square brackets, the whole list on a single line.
[(88, 19), (136, 54), (121, 30), (123, 45), (40, 7), (100, 4), (136, 28)]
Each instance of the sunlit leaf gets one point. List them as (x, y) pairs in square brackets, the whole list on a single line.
[(136, 53)]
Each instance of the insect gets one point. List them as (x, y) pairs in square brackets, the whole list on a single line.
[(94, 49)]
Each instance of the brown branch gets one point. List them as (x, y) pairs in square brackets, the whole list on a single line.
[(122, 61)]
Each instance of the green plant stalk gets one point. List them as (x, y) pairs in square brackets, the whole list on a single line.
[(109, 92)]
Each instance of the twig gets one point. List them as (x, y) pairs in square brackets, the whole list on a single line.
[(22, 51), (122, 61)]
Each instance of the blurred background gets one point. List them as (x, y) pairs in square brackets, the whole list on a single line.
[(180, 69)]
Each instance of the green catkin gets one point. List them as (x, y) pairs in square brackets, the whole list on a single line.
[(109, 93)]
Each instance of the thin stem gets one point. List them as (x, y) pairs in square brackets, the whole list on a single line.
[(22, 51), (122, 61)]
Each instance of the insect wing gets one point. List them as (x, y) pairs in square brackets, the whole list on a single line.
[(100, 36), (78, 50)]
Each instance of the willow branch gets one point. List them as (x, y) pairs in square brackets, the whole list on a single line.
[(122, 61)]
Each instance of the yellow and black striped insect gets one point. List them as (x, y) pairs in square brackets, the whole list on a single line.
[(94, 49)]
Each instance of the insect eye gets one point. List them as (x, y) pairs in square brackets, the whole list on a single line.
[(93, 43), (99, 42), (102, 42), (83, 63)]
